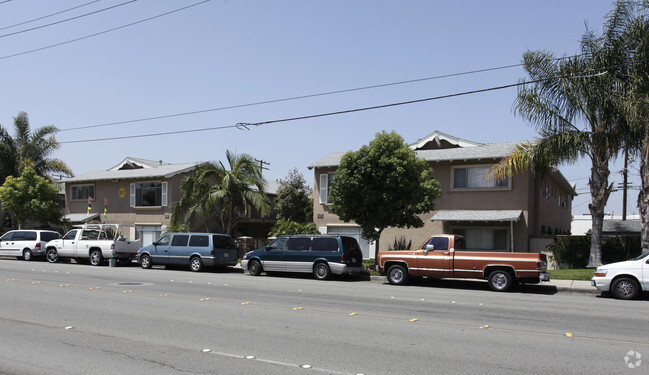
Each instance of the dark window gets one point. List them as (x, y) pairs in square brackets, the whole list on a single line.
[(29, 236), (82, 192), (350, 244), (70, 235), (439, 243), (49, 236), (7, 237), (324, 244), (180, 240), (223, 242), (299, 244), (164, 240), (459, 243), (148, 194), (199, 241), (278, 244)]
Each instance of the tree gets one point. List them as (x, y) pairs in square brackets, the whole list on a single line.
[(29, 150), (30, 199), (226, 193), (285, 227), (576, 104), (294, 199), (383, 185)]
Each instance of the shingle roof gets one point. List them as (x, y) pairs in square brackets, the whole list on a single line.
[(149, 169), (477, 215), (484, 151)]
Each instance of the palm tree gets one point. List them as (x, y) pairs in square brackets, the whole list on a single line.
[(29, 150), (214, 189), (238, 189), (576, 105)]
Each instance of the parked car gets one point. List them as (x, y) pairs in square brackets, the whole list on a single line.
[(321, 255), (625, 280), (198, 250), (26, 244)]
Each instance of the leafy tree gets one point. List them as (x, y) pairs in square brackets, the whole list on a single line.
[(30, 199), (294, 200), (383, 185), (226, 193), (283, 227), (29, 150), (576, 104)]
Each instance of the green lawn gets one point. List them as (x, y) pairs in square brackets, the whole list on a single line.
[(571, 274)]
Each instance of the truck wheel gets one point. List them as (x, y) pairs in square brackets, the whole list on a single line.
[(321, 271), (96, 258), (625, 288), (397, 275), (27, 255), (500, 281), (145, 262), (52, 255), (196, 264), (255, 268)]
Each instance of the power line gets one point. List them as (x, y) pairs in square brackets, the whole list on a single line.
[(67, 19), (248, 126), (47, 16), (102, 32), (293, 98)]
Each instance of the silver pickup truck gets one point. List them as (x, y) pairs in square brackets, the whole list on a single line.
[(94, 243)]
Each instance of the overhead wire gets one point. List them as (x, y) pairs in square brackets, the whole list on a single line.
[(48, 15), (68, 19), (104, 32)]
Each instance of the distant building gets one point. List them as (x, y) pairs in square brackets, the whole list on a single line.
[(497, 215)]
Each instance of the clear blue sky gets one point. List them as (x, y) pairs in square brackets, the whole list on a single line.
[(230, 53)]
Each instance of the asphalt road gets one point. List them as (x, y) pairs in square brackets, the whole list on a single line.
[(79, 319)]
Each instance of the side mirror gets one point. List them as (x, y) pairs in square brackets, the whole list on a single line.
[(268, 248), (429, 247)]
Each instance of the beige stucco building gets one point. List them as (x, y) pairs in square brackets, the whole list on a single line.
[(512, 214)]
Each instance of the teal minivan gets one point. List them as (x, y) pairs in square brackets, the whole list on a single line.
[(198, 250), (321, 255)]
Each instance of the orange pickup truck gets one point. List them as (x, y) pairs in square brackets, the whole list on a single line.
[(444, 256)]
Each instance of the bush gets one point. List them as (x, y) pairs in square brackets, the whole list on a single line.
[(401, 244), (573, 251)]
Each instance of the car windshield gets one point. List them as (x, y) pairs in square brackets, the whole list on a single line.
[(644, 255)]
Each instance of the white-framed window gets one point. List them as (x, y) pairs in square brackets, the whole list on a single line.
[(325, 182), (149, 194), (484, 238), (476, 177), (82, 192)]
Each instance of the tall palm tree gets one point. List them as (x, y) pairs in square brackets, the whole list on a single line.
[(576, 105), (29, 149), (214, 189), (239, 188)]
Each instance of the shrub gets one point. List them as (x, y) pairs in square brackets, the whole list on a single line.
[(573, 251)]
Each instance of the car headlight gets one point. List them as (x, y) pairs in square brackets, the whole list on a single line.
[(600, 272)]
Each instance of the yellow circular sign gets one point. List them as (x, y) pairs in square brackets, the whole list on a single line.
[(122, 192)]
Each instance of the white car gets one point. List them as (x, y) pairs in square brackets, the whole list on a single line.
[(26, 244), (625, 280)]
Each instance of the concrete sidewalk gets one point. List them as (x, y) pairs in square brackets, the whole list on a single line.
[(573, 286)]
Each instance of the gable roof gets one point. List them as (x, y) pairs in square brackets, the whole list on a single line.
[(135, 168)]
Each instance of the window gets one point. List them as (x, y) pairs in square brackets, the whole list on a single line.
[(199, 241), (324, 244), (325, 182), (223, 242), (49, 236), (437, 243), (82, 192), (476, 178), (149, 194), (299, 244), (71, 235), (484, 238), (278, 244), (164, 240), (180, 240)]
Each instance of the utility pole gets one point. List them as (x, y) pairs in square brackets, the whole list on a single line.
[(625, 174), (261, 165)]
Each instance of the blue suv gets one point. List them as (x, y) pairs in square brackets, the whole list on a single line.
[(322, 255)]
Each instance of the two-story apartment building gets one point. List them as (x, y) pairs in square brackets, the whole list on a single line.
[(141, 193), (498, 215)]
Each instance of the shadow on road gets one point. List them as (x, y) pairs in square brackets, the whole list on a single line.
[(480, 285)]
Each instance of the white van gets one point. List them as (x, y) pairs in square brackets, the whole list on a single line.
[(26, 243)]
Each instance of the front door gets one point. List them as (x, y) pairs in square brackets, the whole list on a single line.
[(68, 244), (8, 245), (160, 253), (434, 258), (274, 258)]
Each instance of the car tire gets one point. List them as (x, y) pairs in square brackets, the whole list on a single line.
[(196, 264), (321, 271), (397, 275), (500, 281), (625, 288), (255, 268), (52, 255), (146, 262), (28, 255), (96, 258)]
